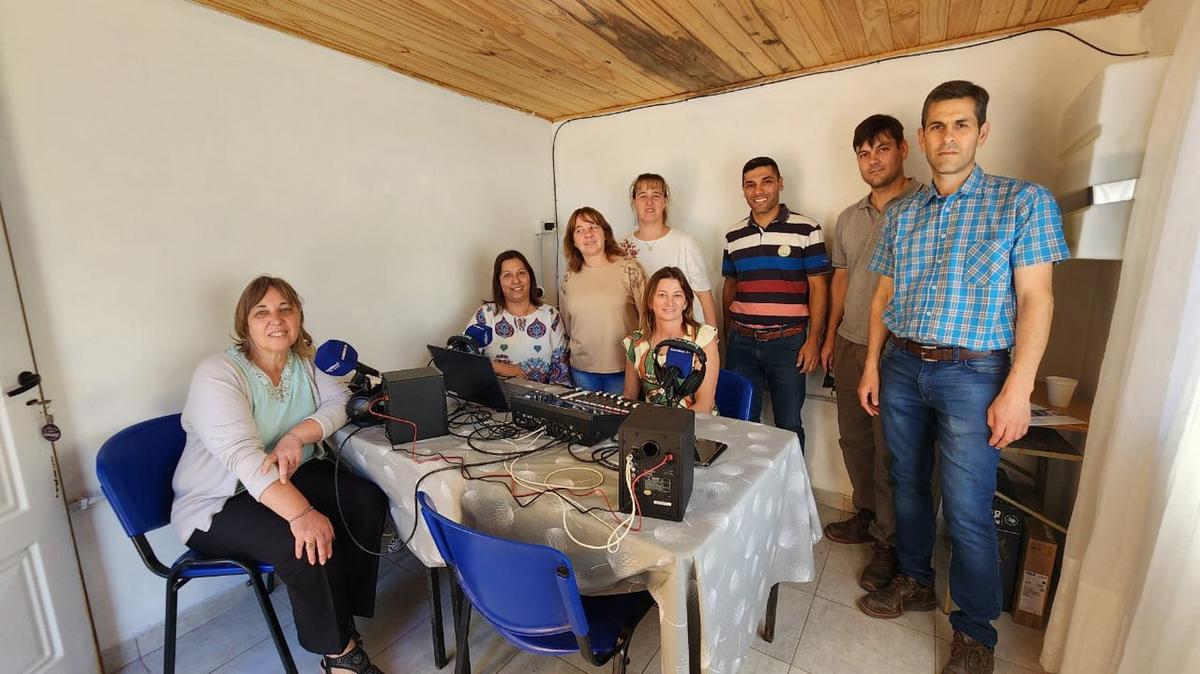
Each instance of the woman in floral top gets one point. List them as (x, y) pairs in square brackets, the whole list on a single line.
[(669, 304), (527, 337)]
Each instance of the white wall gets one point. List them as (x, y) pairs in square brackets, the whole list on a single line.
[(1162, 23), (155, 155), (806, 125)]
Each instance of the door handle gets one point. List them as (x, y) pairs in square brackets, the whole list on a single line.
[(25, 381)]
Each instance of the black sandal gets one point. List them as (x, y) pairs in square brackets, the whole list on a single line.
[(356, 661)]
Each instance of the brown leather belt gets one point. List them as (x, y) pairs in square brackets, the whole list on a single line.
[(768, 334), (936, 354)]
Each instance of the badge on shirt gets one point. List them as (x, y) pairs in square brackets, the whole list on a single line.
[(785, 250)]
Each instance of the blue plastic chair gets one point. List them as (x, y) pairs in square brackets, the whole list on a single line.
[(135, 468), (735, 393), (528, 593)]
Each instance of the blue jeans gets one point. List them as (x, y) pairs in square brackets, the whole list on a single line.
[(771, 366), (599, 381), (942, 407)]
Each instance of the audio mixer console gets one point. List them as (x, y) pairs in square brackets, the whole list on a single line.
[(582, 417)]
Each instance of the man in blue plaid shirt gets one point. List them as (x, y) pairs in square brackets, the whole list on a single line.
[(965, 293)]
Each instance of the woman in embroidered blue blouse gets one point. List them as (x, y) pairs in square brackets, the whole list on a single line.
[(249, 483), (526, 338)]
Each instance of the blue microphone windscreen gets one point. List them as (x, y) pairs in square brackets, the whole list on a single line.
[(336, 358), (480, 334), (680, 359)]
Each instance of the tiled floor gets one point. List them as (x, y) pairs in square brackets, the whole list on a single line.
[(818, 631)]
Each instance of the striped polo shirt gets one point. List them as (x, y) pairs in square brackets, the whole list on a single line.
[(772, 267)]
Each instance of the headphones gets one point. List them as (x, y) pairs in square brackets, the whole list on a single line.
[(461, 342), (674, 388), (363, 398)]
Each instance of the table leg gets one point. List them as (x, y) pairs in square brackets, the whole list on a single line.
[(462, 629), (439, 635), (768, 634)]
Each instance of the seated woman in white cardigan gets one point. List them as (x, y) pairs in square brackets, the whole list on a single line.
[(249, 484)]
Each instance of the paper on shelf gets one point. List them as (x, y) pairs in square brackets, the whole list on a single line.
[(1044, 416)]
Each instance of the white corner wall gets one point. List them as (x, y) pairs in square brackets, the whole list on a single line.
[(155, 155), (806, 124)]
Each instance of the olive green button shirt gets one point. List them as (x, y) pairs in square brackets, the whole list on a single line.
[(850, 248)]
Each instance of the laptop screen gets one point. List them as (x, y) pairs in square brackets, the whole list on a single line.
[(469, 376)]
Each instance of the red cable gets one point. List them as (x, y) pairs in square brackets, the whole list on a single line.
[(435, 456), (511, 484)]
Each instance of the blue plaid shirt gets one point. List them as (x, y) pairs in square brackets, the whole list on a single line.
[(951, 259)]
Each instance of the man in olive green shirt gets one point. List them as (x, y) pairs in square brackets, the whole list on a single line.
[(881, 149)]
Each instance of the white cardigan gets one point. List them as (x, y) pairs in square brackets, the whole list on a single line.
[(223, 442)]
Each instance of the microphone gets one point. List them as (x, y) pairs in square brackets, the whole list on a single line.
[(480, 334), (338, 358)]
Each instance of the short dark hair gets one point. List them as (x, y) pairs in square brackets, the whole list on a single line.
[(759, 162), (498, 292), (948, 91), (875, 126)]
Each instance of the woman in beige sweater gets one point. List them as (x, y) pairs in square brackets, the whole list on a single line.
[(600, 300)]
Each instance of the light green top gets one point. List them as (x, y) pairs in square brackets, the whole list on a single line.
[(277, 409)]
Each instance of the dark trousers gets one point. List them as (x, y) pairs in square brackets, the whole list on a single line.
[(324, 598), (771, 366), (941, 408), (860, 436)]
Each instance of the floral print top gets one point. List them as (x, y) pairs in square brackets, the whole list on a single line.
[(536, 343)]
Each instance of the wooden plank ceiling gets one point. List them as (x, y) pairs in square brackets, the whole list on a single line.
[(561, 59)]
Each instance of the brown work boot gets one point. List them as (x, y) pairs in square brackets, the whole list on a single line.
[(968, 656), (852, 530), (880, 570), (902, 594)]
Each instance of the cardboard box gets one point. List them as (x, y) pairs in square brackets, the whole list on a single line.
[(1031, 600)]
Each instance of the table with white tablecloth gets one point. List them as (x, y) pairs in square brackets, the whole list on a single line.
[(751, 523)]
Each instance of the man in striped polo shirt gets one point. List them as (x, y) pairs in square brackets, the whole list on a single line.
[(776, 271)]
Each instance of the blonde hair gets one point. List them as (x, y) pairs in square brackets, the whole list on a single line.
[(251, 296), (651, 180)]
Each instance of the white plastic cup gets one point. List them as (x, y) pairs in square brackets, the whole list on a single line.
[(1059, 390)]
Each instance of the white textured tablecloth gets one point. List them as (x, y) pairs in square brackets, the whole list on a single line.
[(752, 522)]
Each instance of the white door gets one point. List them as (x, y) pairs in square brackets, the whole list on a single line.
[(44, 624)]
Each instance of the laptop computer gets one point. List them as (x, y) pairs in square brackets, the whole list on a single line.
[(470, 377)]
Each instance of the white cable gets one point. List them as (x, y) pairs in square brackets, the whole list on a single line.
[(617, 533), (540, 431)]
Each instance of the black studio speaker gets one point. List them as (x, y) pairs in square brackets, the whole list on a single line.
[(418, 395), (654, 435)]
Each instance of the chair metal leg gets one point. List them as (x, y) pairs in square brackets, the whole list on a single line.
[(621, 659), (462, 630), (173, 585), (440, 659), (268, 611), (768, 634)]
